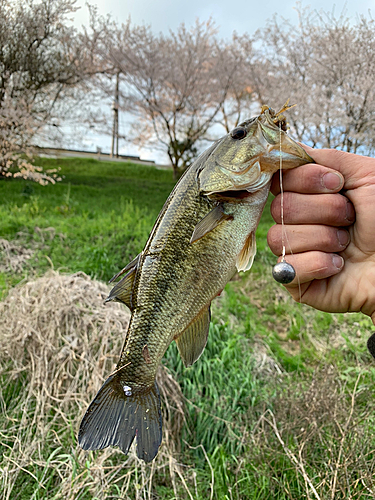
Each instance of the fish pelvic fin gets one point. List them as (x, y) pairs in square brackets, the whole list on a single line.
[(118, 414), (245, 258), (192, 341)]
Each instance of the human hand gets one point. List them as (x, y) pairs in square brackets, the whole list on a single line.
[(329, 227)]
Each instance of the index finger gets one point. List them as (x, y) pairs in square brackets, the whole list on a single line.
[(356, 169), (308, 179)]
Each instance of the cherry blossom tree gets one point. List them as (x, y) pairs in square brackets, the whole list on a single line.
[(176, 86), (326, 65), (41, 59)]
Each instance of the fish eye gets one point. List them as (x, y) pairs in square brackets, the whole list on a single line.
[(239, 133)]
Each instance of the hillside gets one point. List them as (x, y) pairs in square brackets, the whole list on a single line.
[(279, 406)]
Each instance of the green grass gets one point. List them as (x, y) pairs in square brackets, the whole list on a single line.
[(96, 220)]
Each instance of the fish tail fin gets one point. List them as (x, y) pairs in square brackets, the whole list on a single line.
[(118, 414)]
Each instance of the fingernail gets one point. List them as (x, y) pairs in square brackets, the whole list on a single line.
[(350, 213), (338, 261), (332, 181), (343, 237)]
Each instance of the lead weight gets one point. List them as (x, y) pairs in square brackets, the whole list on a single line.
[(283, 272)]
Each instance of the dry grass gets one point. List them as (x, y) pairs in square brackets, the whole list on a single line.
[(59, 343), (13, 257), (324, 436)]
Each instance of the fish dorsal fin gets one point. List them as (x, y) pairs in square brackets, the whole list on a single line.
[(193, 340), (209, 222), (245, 258), (133, 263), (122, 291)]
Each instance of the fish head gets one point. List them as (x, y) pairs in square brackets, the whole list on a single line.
[(247, 157)]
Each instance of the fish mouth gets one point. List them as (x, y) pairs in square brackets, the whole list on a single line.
[(242, 193), (230, 195)]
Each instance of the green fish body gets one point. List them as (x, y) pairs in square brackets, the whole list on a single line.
[(203, 235)]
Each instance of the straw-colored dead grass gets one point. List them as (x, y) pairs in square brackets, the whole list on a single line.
[(323, 436), (13, 257), (58, 345)]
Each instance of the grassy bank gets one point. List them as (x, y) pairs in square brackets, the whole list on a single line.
[(279, 406), (94, 221)]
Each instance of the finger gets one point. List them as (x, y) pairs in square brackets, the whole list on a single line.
[(355, 168), (313, 266), (326, 209), (309, 178), (304, 238)]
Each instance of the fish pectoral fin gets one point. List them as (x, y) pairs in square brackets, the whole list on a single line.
[(131, 265), (193, 340), (122, 291), (245, 258), (119, 414), (209, 222)]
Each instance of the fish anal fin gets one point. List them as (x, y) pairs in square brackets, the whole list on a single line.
[(117, 415), (122, 291), (245, 258), (193, 339), (209, 223), (131, 265)]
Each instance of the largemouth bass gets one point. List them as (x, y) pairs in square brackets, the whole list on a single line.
[(203, 235)]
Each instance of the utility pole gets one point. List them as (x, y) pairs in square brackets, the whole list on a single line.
[(115, 107)]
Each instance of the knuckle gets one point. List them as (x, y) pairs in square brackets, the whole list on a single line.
[(329, 238), (276, 208), (311, 177), (288, 207), (306, 179), (273, 239), (322, 262)]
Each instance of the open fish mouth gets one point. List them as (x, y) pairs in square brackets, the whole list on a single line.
[(231, 195)]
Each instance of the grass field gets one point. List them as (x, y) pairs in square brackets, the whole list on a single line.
[(280, 405)]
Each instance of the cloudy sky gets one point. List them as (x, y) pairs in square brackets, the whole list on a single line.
[(241, 16), (229, 15)]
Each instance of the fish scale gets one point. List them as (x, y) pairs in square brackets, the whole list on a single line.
[(203, 235), (157, 284)]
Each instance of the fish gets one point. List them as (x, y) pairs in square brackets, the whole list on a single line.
[(203, 235)]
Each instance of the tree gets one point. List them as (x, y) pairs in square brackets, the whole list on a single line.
[(237, 61), (41, 59), (181, 85), (177, 86), (326, 65)]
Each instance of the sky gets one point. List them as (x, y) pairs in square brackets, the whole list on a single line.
[(245, 16)]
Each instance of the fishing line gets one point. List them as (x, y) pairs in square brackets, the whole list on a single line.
[(283, 272), (283, 233)]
